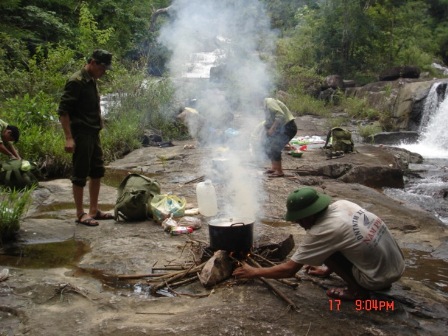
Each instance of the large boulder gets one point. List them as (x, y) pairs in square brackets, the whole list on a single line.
[(375, 177), (393, 138), (333, 81), (404, 71), (404, 99), (373, 166), (408, 108)]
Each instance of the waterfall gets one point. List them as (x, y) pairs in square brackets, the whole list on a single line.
[(430, 189), (433, 140)]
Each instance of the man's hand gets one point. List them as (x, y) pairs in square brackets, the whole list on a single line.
[(320, 271), (69, 145), (245, 271)]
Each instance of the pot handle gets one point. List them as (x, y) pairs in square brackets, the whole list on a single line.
[(237, 224)]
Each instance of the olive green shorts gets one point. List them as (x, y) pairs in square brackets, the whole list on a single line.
[(87, 159)]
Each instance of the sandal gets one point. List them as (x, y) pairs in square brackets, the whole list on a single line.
[(269, 171), (103, 215), (89, 221), (345, 295)]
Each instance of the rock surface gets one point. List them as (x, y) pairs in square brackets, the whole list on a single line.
[(81, 297)]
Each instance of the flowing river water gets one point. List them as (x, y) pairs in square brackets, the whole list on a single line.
[(429, 190)]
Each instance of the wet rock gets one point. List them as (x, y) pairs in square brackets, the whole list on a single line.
[(335, 170), (441, 252), (333, 81), (375, 177), (394, 138), (394, 73)]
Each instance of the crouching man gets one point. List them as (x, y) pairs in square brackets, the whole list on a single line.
[(350, 241)]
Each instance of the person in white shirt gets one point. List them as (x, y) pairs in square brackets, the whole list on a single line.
[(347, 239)]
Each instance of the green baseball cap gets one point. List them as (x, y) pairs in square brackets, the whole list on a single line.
[(103, 57), (305, 202)]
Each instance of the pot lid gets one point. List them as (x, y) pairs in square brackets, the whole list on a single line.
[(228, 222)]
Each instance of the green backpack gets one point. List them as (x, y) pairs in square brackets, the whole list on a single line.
[(340, 139), (18, 174), (135, 193)]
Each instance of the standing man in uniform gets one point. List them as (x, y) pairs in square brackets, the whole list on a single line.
[(80, 116)]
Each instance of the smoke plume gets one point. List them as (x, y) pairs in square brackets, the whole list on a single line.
[(232, 41)]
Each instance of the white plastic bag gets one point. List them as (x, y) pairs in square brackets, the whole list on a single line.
[(190, 221), (169, 223), (162, 206)]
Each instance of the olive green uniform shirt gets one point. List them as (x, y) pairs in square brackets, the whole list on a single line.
[(81, 101), (276, 110)]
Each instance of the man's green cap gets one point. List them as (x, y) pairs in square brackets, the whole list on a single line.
[(103, 57), (305, 202)]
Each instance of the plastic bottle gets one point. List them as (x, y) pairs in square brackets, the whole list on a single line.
[(181, 230), (206, 196)]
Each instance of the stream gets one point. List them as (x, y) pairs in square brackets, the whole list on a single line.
[(429, 188)]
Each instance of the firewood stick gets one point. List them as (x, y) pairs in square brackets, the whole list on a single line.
[(135, 276), (170, 268), (198, 179), (314, 281), (275, 289), (175, 274), (151, 313), (284, 281), (184, 282), (264, 259), (176, 277)]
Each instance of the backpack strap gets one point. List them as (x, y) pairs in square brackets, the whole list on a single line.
[(328, 138)]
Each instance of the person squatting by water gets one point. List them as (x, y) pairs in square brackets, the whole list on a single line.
[(191, 118), (280, 128), (206, 130), (350, 241), (9, 134), (80, 116)]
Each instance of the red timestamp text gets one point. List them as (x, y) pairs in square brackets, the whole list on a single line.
[(364, 305), (369, 305)]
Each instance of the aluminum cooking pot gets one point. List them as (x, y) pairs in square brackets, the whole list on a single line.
[(232, 235)]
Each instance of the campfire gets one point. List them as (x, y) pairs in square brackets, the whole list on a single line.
[(212, 267)]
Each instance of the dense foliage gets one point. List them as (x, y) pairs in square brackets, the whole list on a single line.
[(43, 41)]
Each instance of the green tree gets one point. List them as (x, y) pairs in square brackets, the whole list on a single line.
[(402, 33), (33, 23), (90, 36), (439, 12), (359, 38)]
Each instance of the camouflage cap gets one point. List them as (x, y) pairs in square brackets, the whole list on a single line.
[(103, 57)]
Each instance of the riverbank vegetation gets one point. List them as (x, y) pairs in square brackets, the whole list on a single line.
[(13, 206), (43, 42)]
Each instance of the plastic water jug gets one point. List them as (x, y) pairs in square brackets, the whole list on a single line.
[(206, 195)]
